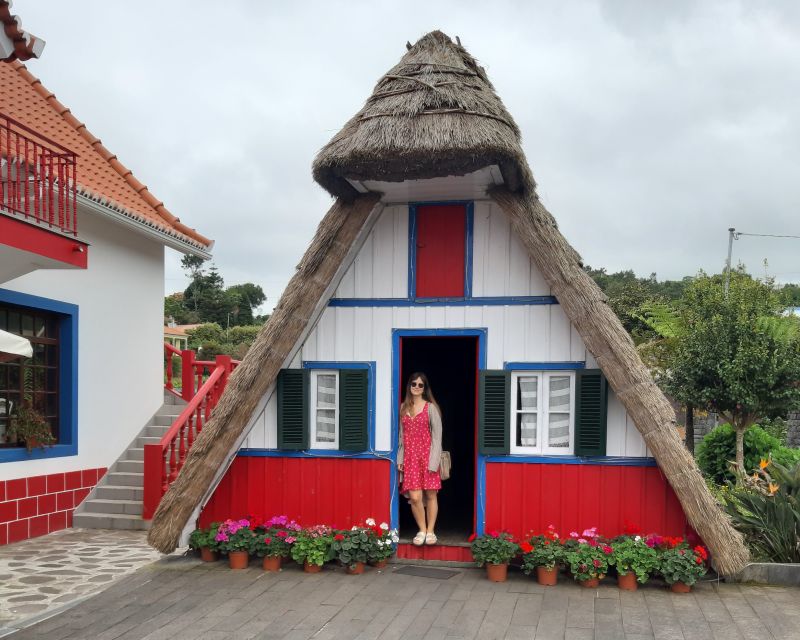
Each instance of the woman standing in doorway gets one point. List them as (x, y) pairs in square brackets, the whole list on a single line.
[(419, 455)]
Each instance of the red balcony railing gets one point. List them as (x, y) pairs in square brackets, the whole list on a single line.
[(202, 384), (37, 177)]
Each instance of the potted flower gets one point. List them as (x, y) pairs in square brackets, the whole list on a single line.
[(681, 566), (383, 544), (543, 553), (235, 538), (353, 548), (634, 559), (29, 426), (312, 548), (203, 540), (273, 545), (494, 549), (588, 562), (289, 527)]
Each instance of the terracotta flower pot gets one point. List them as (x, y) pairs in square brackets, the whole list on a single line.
[(497, 572), (627, 581), (380, 564), (311, 568), (271, 563), (680, 587), (207, 555), (591, 583), (547, 577), (238, 559), (355, 569)]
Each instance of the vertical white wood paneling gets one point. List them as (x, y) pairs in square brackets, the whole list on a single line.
[(514, 326), (519, 266), (455, 317), (399, 215), (326, 334), (480, 245), (362, 326), (615, 439), (345, 336), (537, 334), (577, 348), (309, 349), (634, 443), (493, 318), (364, 268), (559, 343)]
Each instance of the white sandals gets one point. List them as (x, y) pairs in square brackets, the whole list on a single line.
[(430, 538), (419, 539)]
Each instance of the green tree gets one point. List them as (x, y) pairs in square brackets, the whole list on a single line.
[(735, 354)]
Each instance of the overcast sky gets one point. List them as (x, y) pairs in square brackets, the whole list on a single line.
[(651, 127)]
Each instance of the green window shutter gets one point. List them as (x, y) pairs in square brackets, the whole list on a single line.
[(293, 409), (591, 412), (493, 412), (353, 409)]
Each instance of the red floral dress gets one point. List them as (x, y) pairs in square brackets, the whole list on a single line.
[(417, 446)]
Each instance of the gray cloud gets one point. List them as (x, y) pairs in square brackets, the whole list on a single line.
[(651, 127)]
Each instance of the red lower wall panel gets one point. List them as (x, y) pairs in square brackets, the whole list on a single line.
[(35, 506), (440, 552), (528, 497), (333, 491)]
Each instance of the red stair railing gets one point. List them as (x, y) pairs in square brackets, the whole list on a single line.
[(202, 384)]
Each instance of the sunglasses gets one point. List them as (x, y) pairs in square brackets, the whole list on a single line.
[(421, 385)]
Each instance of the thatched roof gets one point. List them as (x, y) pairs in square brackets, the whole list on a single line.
[(433, 114), (450, 123)]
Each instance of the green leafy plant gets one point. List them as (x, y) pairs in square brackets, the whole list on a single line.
[(765, 507), (589, 560), (682, 564), (313, 545), (383, 541), (718, 450), (29, 426), (633, 554), (494, 547), (351, 547), (273, 543), (200, 538)]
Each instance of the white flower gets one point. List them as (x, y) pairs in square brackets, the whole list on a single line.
[(638, 538), (370, 522), (384, 526), (354, 528), (395, 538)]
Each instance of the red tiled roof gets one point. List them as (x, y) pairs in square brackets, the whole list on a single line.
[(101, 176)]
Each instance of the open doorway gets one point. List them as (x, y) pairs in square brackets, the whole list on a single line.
[(451, 364)]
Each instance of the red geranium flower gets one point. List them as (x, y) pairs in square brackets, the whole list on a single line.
[(631, 529), (281, 534), (526, 547), (339, 537), (267, 540), (596, 563), (607, 549)]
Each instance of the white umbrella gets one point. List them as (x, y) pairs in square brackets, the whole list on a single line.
[(14, 346)]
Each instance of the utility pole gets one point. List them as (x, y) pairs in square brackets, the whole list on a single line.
[(731, 234)]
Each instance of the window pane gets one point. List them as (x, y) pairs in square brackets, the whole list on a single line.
[(526, 429), (27, 325), (38, 326), (528, 390), (559, 393), (558, 430), (326, 425), (326, 392)]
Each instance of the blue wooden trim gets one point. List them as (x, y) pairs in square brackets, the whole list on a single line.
[(468, 250), (543, 366), (313, 453), (67, 372), (412, 252), (370, 367), (480, 481), (614, 461), (487, 301)]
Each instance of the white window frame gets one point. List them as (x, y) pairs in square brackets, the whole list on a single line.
[(313, 443), (542, 413)]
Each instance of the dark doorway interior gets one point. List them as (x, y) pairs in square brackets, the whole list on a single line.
[(451, 364)]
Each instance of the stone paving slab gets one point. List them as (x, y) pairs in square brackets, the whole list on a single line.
[(181, 597), (46, 573)]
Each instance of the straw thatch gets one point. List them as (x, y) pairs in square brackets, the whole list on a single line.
[(436, 114), (433, 114), (256, 374)]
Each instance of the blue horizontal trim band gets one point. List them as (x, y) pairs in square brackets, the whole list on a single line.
[(313, 453), (443, 302), (615, 461), (543, 366)]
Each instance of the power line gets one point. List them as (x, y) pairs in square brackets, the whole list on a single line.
[(762, 235)]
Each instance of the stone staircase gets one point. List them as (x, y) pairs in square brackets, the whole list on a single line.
[(116, 501)]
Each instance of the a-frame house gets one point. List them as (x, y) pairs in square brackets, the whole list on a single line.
[(438, 256)]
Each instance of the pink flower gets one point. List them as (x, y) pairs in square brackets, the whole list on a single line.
[(607, 549), (582, 540), (267, 540), (574, 534), (290, 539), (590, 533), (596, 563)]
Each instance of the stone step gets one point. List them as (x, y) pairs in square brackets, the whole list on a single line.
[(130, 466), (117, 492), (126, 479), (164, 421), (143, 440), (130, 507), (104, 521), (135, 453), (156, 431), (170, 409)]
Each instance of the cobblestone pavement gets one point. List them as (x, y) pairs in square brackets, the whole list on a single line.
[(180, 597), (48, 572)]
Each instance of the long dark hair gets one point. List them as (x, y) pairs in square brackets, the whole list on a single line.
[(427, 394)]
